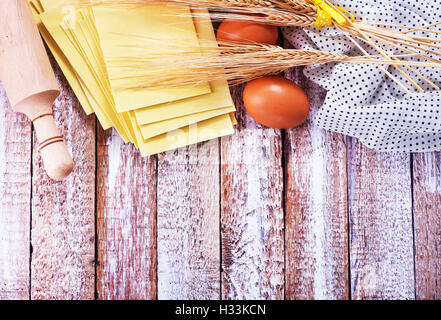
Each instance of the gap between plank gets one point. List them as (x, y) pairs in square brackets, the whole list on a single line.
[(220, 217), (413, 225), (156, 226), (30, 213), (284, 180), (348, 216), (96, 211)]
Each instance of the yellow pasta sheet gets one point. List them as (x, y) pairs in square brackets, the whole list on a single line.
[(191, 110), (157, 128), (132, 32), (198, 132), (178, 117), (70, 33), (219, 98), (70, 27), (61, 59)]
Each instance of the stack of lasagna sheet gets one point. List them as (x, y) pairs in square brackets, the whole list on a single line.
[(85, 40)]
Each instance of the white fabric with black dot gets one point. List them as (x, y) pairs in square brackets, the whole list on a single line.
[(362, 101)]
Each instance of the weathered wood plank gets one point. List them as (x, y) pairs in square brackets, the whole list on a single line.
[(15, 191), (126, 220), (252, 222), (63, 213), (427, 224), (188, 223), (316, 241), (381, 241)]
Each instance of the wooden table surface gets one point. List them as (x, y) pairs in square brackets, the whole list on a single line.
[(263, 214)]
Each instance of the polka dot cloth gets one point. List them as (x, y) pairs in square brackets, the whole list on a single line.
[(362, 101)]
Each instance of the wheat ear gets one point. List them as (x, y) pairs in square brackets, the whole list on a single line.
[(235, 63)]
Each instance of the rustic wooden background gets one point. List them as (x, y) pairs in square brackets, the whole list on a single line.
[(264, 214)]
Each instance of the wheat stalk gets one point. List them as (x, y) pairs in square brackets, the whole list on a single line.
[(236, 63), (299, 13), (303, 13), (271, 12)]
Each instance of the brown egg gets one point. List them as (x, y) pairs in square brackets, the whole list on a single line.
[(276, 102), (247, 31)]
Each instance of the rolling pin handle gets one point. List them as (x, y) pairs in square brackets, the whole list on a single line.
[(56, 158)]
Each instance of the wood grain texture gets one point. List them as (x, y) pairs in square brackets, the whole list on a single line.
[(381, 241), (252, 220), (188, 223), (427, 224), (63, 213), (15, 191), (316, 239), (126, 220)]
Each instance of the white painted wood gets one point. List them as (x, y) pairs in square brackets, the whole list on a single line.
[(15, 191), (316, 241), (427, 222), (381, 240), (252, 218), (126, 220), (63, 213), (188, 223)]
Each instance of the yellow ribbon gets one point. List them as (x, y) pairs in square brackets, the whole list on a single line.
[(327, 15)]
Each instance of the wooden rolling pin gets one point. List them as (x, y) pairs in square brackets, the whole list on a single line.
[(30, 82)]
